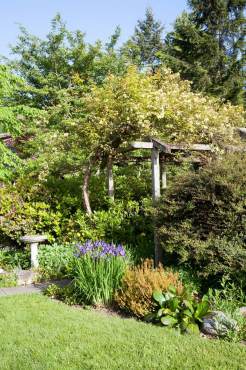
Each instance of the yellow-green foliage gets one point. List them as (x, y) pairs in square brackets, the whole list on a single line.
[(19, 217), (137, 104), (138, 286), (107, 117)]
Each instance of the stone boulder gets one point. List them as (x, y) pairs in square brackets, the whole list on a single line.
[(218, 324)]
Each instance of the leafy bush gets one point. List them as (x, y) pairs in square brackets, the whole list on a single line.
[(8, 280), (25, 210), (202, 220), (97, 272), (179, 310), (55, 260), (11, 258), (19, 216), (138, 286), (129, 223), (9, 163), (65, 294)]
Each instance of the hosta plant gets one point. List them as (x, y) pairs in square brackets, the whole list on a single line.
[(179, 311)]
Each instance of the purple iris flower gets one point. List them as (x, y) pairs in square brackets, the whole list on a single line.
[(100, 249)]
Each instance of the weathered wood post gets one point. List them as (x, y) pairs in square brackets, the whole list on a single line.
[(110, 178), (156, 193), (163, 176), (155, 161)]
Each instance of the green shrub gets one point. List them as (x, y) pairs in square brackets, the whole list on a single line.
[(10, 163), (97, 272), (180, 311), (202, 220), (28, 211), (12, 258), (8, 280), (129, 223), (55, 260), (19, 216), (138, 285), (65, 294)]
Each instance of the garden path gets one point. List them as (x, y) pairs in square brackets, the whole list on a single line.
[(32, 288)]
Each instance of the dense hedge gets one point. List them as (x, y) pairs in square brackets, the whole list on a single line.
[(202, 219)]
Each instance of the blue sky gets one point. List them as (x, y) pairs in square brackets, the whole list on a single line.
[(98, 18)]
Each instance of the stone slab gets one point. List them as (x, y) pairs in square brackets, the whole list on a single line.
[(32, 288)]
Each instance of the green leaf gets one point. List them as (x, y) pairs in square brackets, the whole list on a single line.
[(193, 328), (174, 303), (149, 317), (169, 321), (187, 313), (172, 289), (159, 297), (202, 310), (189, 305)]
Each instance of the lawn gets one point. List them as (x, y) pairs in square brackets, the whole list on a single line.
[(38, 333)]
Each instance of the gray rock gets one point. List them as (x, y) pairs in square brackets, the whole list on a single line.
[(25, 277), (218, 324), (243, 311)]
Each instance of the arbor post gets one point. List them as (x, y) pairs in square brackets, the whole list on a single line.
[(110, 178), (163, 176), (156, 193), (155, 161)]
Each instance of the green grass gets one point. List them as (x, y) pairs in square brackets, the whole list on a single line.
[(38, 333)]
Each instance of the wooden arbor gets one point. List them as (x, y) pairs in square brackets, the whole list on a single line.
[(159, 174)]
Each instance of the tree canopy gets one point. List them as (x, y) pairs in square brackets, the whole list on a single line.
[(207, 46), (146, 44), (75, 105)]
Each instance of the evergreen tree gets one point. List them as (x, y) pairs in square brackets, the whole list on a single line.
[(207, 47), (146, 44)]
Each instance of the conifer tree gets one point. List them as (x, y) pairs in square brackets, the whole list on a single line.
[(207, 47), (146, 44)]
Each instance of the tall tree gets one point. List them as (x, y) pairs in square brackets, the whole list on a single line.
[(144, 46), (62, 60), (13, 117), (207, 47)]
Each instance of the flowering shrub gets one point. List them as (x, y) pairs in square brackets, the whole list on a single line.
[(138, 286), (97, 271)]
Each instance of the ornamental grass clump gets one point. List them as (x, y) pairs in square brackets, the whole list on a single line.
[(97, 271), (138, 285)]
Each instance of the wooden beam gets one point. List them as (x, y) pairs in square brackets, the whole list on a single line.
[(163, 147), (142, 145), (192, 147), (168, 148), (233, 148)]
